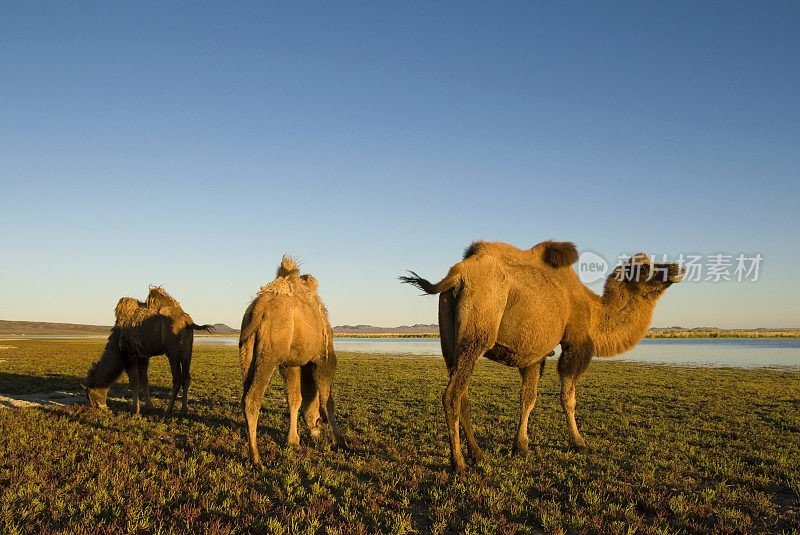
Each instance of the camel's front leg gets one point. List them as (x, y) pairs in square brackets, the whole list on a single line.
[(530, 384), (568, 403), (291, 378), (571, 366), (133, 378), (143, 364)]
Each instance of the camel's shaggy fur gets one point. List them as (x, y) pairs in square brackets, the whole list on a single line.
[(286, 327), (514, 306), (142, 330)]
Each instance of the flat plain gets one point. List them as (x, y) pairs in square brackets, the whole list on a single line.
[(674, 450)]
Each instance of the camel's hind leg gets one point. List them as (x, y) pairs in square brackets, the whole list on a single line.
[(291, 378), (447, 330), (254, 388), (453, 397), (571, 365), (323, 374), (186, 376), (475, 452), (310, 403), (175, 369), (530, 384)]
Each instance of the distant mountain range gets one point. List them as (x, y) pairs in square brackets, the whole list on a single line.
[(40, 328)]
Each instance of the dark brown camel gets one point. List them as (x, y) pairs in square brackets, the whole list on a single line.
[(143, 330)]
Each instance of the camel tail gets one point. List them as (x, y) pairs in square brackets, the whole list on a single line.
[(559, 254), (246, 346), (207, 328), (451, 281)]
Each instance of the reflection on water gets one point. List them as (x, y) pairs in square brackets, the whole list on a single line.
[(714, 352)]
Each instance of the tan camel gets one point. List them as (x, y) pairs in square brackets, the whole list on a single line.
[(143, 330), (514, 306), (286, 326)]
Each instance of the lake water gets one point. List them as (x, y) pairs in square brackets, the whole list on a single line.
[(712, 352)]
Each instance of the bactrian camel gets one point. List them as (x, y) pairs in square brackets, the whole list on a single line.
[(142, 330), (514, 306), (286, 327)]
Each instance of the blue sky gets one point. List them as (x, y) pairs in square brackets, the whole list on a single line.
[(191, 145)]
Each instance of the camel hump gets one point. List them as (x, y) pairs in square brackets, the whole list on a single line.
[(559, 254), (126, 308), (310, 282), (158, 298), (473, 248), (288, 267)]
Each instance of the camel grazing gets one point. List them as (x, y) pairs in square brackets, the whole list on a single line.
[(515, 306), (143, 330), (286, 326)]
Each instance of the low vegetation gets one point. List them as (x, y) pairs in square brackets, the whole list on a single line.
[(675, 450), (723, 334)]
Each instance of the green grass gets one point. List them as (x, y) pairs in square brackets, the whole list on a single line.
[(675, 450)]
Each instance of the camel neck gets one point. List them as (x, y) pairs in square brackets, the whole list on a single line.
[(109, 367), (620, 321)]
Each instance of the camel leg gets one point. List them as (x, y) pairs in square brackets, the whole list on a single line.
[(530, 384), (251, 402), (474, 450), (448, 339), (310, 397), (324, 376), (133, 378), (571, 366), (452, 400), (175, 368), (143, 379), (186, 376), (291, 378)]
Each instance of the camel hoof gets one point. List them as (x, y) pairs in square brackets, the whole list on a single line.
[(458, 466), (315, 433), (520, 451), (580, 448), (340, 447), (475, 458)]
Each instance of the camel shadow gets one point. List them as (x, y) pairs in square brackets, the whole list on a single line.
[(16, 383), (54, 389)]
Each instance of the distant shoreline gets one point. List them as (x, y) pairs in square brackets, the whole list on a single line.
[(649, 335), (27, 329)]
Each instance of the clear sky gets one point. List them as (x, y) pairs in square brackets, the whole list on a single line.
[(191, 145)]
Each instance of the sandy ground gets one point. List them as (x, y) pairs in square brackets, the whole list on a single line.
[(46, 399)]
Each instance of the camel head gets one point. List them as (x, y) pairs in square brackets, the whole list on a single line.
[(95, 392), (639, 276), (96, 396)]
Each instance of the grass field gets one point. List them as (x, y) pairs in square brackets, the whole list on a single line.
[(675, 450)]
